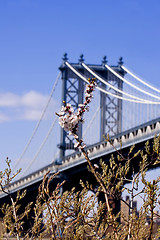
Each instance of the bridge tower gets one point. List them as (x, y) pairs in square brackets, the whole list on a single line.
[(73, 93)]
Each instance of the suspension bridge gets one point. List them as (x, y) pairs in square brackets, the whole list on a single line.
[(124, 106)]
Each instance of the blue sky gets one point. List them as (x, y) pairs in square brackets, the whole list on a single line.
[(34, 35)]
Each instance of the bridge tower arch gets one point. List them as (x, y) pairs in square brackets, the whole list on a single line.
[(73, 93)]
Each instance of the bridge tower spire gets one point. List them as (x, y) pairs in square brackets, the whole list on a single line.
[(73, 91)]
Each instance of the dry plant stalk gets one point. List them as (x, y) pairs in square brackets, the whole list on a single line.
[(67, 215)]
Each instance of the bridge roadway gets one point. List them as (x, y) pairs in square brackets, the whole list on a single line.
[(75, 163), (74, 166)]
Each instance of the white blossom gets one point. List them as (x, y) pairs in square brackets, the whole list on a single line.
[(80, 105), (76, 144), (68, 119)]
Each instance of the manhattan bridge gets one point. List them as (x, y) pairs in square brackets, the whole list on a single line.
[(124, 106)]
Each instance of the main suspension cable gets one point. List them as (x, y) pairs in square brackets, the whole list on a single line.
[(107, 92), (39, 122), (40, 148), (132, 85), (110, 85), (139, 79)]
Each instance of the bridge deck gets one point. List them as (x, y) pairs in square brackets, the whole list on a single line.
[(135, 135)]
